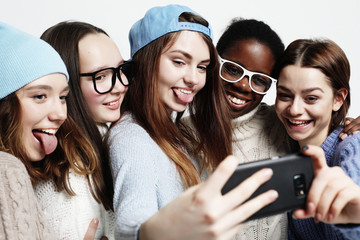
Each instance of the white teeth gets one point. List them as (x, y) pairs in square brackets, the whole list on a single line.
[(298, 123), (48, 131), (113, 103), (185, 91), (236, 100)]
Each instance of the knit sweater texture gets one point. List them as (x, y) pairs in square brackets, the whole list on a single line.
[(20, 214), (69, 216), (259, 135), (145, 179), (345, 154)]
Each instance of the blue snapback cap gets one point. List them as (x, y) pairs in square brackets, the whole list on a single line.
[(25, 58), (159, 21)]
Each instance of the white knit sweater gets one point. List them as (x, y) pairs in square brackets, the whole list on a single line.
[(258, 135), (69, 216)]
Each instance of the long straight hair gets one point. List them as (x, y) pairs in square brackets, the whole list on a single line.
[(326, 56), (64, 37), (210, 143)]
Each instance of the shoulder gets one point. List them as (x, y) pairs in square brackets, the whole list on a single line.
[(11, 163), (349, 147), (130, 144), (126, 127), (347, 155)]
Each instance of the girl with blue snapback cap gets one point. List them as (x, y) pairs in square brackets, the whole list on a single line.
[(155, 157), (34, 129)]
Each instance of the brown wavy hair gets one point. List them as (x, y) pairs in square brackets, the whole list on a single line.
[(326, 56), (209, 138), (73, 151)]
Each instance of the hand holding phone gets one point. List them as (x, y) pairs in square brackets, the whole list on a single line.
[(292, 177)]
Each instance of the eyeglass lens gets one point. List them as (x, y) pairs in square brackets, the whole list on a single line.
[(234, 73), (104, 79)]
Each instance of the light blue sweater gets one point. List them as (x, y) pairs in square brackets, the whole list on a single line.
[(145, 179)]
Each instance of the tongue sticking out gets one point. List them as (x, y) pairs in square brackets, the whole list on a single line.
[(184, 97), (48, 141)]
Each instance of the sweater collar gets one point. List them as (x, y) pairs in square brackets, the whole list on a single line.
[(245, 118)]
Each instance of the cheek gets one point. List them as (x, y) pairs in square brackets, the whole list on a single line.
[(202, 83), (92, 98)]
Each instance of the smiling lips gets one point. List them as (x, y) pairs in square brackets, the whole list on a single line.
[(184, 95), (113, 104), (299, 123), (236, 100)]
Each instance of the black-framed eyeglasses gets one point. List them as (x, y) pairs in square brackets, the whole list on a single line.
[(233, 72), (104, 79)]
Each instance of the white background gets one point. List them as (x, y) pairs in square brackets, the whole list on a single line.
[(334, 19)]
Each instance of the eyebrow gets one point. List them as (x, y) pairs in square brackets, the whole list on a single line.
[(187, 55), (44, 87), (303, 91)]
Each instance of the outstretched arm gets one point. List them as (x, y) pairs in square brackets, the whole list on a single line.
[(202, 212)]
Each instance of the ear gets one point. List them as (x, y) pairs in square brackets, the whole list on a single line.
[(339, 98)]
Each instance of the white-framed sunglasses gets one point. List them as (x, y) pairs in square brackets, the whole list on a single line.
[(233, 72)]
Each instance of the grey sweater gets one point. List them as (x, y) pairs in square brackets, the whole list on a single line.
[(145, 179)]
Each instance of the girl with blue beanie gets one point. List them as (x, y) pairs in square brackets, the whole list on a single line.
[(313, 97), (37, 141)]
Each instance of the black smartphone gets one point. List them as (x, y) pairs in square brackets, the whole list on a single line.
[(292, 177)]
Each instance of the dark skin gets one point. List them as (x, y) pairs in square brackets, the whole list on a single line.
[(257, 57)]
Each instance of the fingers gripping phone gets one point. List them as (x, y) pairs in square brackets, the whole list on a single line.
[(292, 177)]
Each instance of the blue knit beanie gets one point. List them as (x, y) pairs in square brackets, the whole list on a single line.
[(159, 21), (25, 58)]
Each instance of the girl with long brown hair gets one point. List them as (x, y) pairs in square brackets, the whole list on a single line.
[(154, 155)]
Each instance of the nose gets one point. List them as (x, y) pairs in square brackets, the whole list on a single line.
[(243, 84), (58, 111), (192, 77), (296, 107)]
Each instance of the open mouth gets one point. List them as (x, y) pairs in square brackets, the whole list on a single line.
[(112, 103), (184, 95), (47, 139), (299, 123), (47, 131), (235, 100)]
